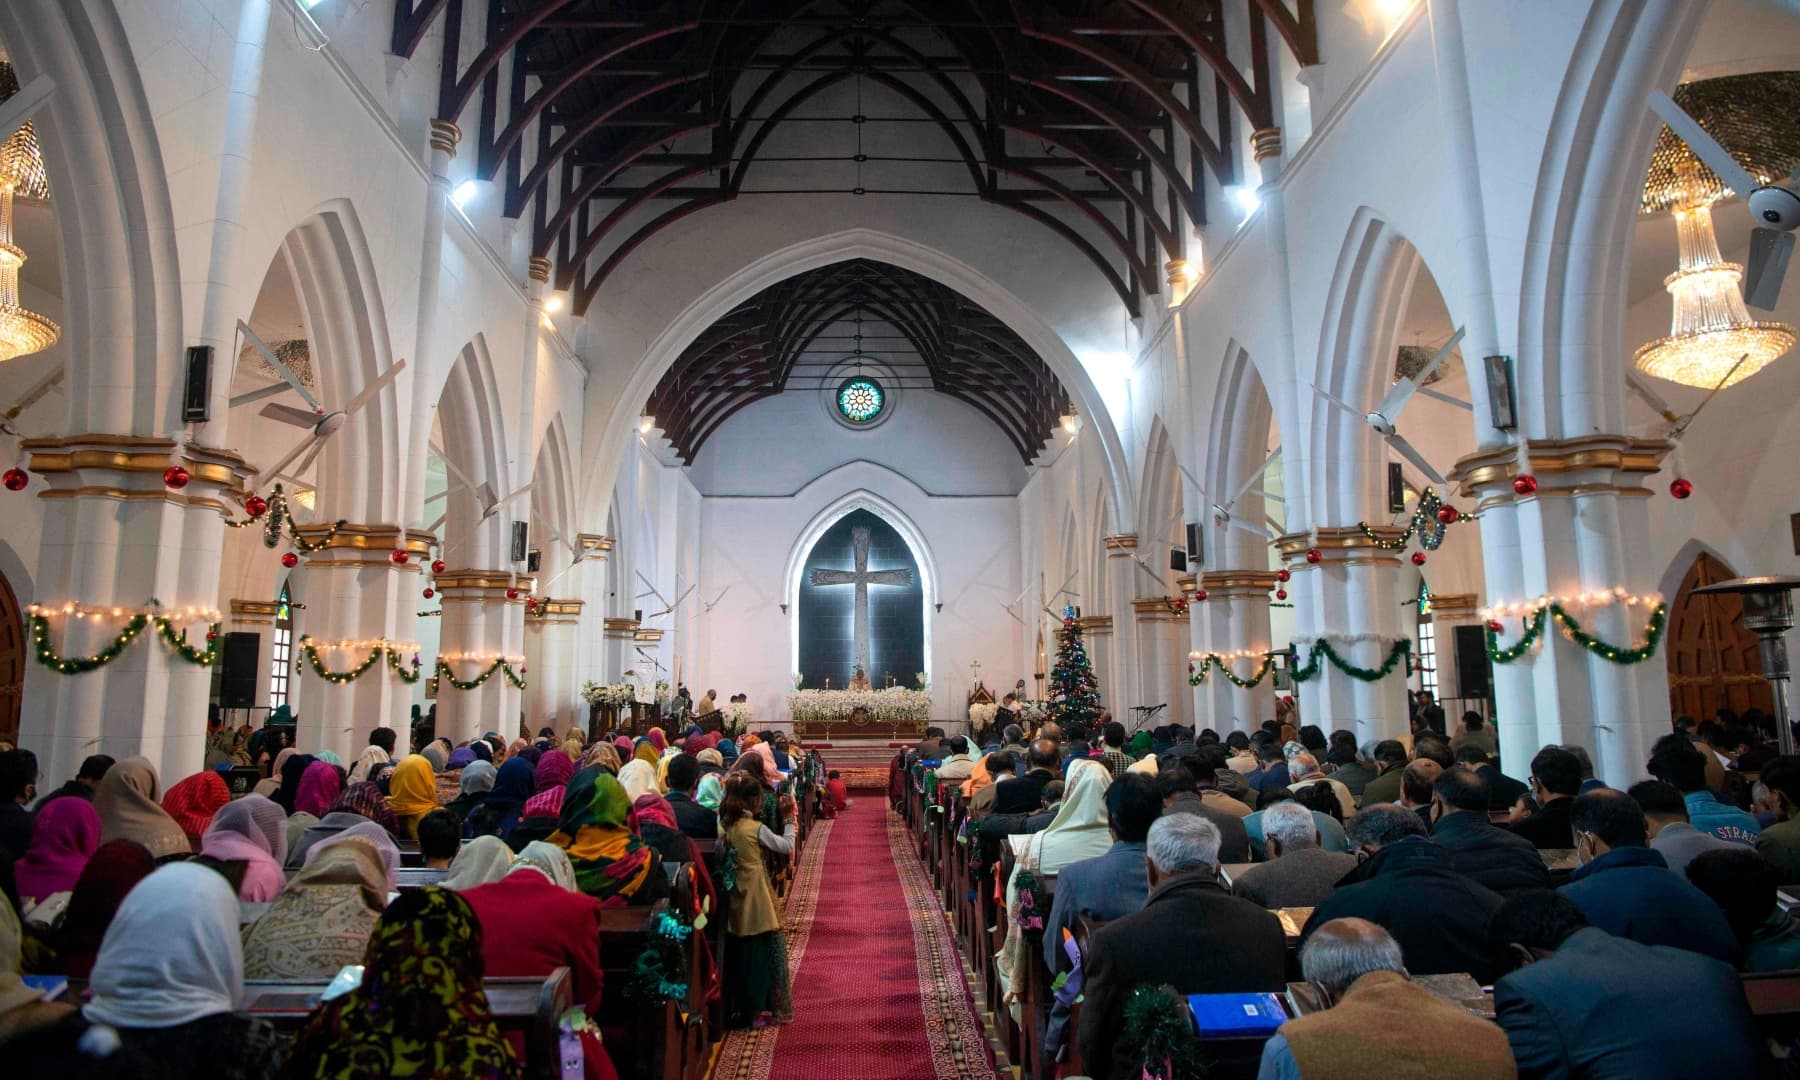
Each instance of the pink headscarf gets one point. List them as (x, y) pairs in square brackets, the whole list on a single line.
[(623, 742), (254, 830), (657, 739), (770, 774), (553, 770), (66, 834), (545, 804), (694, 744), (319, 788)]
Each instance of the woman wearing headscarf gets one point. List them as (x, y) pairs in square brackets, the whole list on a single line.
[(1140, 745), (645, 751), (461, 758), (623, 745), (164, 992), (603, 754), (372, 758), (761, 756), (639, 778), (193, 803), (655, 737), (126, 803), (420, 1010), (293, 769), (499, 813), (728, 752), (533, 921), (218, 748), (114, 870), (711, 792), (438, 753), (611, 864), (412, 793), (1079, 831), (253, 831), (472, 788), (269, 785), (360, 803), (711, 761), (481, 860), (756, 989), (653, 819), (370, 833), (321, 922), (62, 842), (319, 787), (538, 818)]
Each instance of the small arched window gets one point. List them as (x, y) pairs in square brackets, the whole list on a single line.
[(281, 650), (1426, 658)]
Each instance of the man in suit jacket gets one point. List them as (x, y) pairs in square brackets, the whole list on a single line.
[(1113, 885), (1024, 795), (1479, 850), (1301, 874), (1191, 934), (694, 820), (1626, 889), (1180, 795), (1408, 886), (1389, 757), (1555, 781), (1586, 1003)]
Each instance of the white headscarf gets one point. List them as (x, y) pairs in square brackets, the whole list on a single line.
[(548, 860), (1079, 830), (172, 954), (481, 860), (638, 777), (368, 763), (374, 834)]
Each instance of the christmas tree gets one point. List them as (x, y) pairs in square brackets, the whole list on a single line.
[(1074, 693)]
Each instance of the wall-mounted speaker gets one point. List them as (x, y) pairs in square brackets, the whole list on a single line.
[(196, 395), (1178, 560), (1196, 545), (534, 560), (1503, 407), (521, 541), (1396, 488), (637, 615)]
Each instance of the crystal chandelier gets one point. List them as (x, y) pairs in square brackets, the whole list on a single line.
[(1712, 329), (21, 171)]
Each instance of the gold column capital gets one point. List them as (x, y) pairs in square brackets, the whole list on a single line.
[(618, 629), (1229, 584), (131, 468), (1095, 624), (1120, 543), (1158, 609), (444, 136), (364, 547), (483, 586), (1265, 143), (1580, 466), (1341, 544), (537, 268)]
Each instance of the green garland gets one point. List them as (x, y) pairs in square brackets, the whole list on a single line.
[(1320, 652), (339, 678), (46, 654), (1424, 524), (1534, 629), (1197, 673), (446, 676), (1159, 1030), (659, 973)]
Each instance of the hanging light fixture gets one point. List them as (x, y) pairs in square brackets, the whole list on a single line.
[(1712, 329), (21, 172)]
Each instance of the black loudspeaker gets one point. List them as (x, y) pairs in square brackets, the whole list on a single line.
[(1178, 560), (533, 561), (1474, 671), (237, 670), (1196, 544), (196, 396), (637, 615), (1396, 488), (521, 540)]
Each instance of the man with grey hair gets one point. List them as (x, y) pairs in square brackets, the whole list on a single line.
[(1304, 772), (1299, 873), (1191, 934), (1376, 1021), (1409, 885)]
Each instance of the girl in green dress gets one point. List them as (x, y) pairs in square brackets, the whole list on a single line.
[(756, 982)]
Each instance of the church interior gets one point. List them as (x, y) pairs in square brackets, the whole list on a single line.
[(849, 382)]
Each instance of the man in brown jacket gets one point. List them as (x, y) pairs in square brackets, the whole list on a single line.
[(1378, 1024)]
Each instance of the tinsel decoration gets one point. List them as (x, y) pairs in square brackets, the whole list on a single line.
[(1317, 655), (446, 677), (177, 641), (310, 652), (1426, 524), (1074, 692), (277, 518), (1197, 672), (1032, 906), (1573, 630), (659, 973), (1160, 1030)]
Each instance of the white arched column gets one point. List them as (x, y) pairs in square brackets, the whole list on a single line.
[(1351, 599), (1233, 620), (484, 621)]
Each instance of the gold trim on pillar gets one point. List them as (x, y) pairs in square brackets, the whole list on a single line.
[(1095, 624), (594, 544), (1265, 143), (1227, 584), (482, 586), (1612, 463), (1453, 605), (1156, 609), (619, 629), (1188, 584), (444, 136), (1120, 543), (355, 537), (254, 612), (647, 635), (131, 467), (537, 268), (1342, 544), (552, 612)]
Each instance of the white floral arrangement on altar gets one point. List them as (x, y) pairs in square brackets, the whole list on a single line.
[(1033, 712), (616, 695), (895, 705), (981, 714), (737, 715)]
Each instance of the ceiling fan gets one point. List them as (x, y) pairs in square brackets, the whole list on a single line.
[(30, 397), (668, 607), (1386, 415), (485, 497), (322, 424), (1774, 206), (1222, 511)]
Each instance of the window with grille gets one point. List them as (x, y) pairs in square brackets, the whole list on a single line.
[(1426, 658), (281, 651)]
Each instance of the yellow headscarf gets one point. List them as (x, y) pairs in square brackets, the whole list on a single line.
[(646, 752), (412, 793)]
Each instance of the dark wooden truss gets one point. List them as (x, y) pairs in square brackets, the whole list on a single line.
[(806, 332), (1082, 115)]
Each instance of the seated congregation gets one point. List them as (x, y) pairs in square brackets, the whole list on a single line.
[(549, 907), (1411, 910)]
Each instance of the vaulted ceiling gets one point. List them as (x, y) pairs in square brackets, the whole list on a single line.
[(806, 332), (1095, 119)]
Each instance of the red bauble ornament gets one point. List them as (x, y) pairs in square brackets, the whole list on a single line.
[(1448, 514), (212, 635), (512, 594), (1524, 484), (1315, 556), (437, 566), (1494, 625), (429, 592), (1283, 575), (1418, 558), (1281, 594), (531, 603), (16, 479), (1200, 594), (400, 558), (256, 506), (1680, 487), (289, 559), (176, 477)]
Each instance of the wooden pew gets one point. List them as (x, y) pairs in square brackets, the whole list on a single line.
[(406, 879), (644, 1041), (530, 1006)]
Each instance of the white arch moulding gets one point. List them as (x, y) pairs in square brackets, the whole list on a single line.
[(861, 499), (621, 421)]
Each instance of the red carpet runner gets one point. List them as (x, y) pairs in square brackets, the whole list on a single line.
[(878, 989)]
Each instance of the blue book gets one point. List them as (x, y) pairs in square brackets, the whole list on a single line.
[(52, 986), (1236, 1016)]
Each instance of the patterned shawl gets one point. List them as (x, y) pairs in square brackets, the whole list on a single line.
[(611, 863), (366, 799), (420, 1011), (553, 771), (322, 920), (605, 755), (194, 801), (319, 788)]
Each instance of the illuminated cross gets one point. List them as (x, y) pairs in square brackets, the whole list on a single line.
[(862, 578)]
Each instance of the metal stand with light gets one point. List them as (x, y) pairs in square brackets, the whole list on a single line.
[(1769, 613)]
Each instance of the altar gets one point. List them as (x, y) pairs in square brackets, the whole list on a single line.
[(866, 714)]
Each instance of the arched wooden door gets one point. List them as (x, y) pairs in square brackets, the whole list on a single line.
[(1713, 662), (12, 662)]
